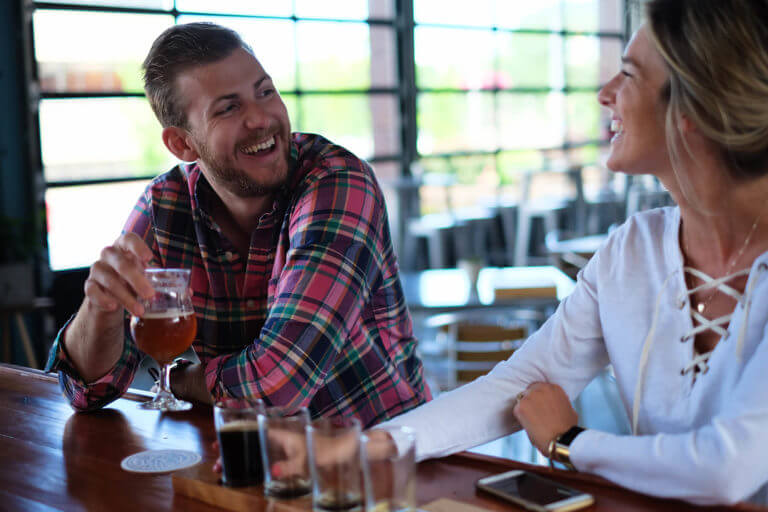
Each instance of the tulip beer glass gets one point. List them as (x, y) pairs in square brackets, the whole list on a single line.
[(166, 329)]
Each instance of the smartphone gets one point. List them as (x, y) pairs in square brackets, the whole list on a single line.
[(535, 493)]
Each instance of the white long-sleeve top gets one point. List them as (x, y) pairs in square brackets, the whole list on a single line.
[(702, 438)]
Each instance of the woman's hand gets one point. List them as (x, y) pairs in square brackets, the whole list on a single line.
[(545, 412)]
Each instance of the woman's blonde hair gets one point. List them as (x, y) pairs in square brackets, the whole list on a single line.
[(716, 52)]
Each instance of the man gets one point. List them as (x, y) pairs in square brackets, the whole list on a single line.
[(294, 278)]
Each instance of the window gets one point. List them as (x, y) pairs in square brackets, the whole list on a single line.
[(500, 87), (334, 63), (505, 88)]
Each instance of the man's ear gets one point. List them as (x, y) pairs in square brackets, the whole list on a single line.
[(177, 141)]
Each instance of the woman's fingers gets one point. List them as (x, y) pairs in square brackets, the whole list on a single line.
[(545, 412)]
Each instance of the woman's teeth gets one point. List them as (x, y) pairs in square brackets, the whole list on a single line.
[(616, 126), (260, 146)]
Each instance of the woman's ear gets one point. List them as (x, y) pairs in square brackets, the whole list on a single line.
[(686, 125), (177, 141)]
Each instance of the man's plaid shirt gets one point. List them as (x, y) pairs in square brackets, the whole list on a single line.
[(319, 320)]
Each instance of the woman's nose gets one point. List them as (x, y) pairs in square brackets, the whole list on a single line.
[(607, 93)]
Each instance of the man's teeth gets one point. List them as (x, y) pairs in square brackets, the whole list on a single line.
[(260, 147), (616, 126)]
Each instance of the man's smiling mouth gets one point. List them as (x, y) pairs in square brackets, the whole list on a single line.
[(261, 146)]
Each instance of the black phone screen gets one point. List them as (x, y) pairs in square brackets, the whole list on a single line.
[(533, 488)]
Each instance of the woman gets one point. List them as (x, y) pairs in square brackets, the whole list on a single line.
[(677, 299)]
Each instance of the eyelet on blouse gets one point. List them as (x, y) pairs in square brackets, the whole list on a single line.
[(683, 339), (763, 267)]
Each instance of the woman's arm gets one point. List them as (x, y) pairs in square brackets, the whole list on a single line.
[(567, 350), (725, 461)]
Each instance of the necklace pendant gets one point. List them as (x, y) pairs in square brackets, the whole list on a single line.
[(700, 307)]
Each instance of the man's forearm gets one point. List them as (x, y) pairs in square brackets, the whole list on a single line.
[(94, 341)]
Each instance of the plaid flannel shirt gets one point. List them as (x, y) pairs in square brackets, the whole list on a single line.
[(319, 319)]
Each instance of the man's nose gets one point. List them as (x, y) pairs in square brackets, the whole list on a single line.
[(255, 117)]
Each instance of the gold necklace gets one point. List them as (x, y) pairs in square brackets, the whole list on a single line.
[(701, 306)]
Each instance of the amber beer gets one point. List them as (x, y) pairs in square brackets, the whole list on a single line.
[(164, 335)]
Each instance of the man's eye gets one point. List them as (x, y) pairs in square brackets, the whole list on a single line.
[(626, 73), (227, 109), (267, 92)]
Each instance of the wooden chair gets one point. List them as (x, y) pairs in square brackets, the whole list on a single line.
[(475, 346)]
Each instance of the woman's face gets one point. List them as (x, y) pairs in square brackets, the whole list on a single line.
[(638, 145)]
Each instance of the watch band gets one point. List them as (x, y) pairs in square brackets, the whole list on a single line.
[(559, 448)]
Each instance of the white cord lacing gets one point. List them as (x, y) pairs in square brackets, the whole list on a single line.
[(699, 361)]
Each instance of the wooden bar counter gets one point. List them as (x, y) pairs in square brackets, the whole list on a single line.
[(52, 458)]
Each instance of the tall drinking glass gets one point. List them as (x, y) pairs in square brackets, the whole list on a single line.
[(389, 468), (334, 459), (166, 329)]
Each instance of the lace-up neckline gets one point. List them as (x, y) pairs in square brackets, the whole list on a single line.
[(701, 323), (702, 359)]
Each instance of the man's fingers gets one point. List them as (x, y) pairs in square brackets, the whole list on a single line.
[(132, 243), (110, 283), (99, 297), (130, 268)]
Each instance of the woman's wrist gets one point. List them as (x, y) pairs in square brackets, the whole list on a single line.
[(559, 448)]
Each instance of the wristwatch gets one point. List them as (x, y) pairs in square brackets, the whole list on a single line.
[(559, 448)]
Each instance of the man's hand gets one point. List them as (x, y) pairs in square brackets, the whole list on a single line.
[(188, 383), (117, 279), (545, 412), (94, 339)]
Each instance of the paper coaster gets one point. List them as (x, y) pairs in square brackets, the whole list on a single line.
[(160, 461)]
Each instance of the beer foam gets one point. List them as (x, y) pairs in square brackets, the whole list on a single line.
[(239, 426), (171, 313)]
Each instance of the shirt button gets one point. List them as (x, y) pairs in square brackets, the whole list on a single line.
[(251, 303)]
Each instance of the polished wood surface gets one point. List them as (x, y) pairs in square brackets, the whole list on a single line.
[(52, 458)]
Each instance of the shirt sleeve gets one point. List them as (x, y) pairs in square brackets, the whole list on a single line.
[(85, 396), (724, 461), (567, 350), (335, 257)]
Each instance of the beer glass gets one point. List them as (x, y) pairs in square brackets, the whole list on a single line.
[(284, 441), (166, 329), (389, 469), (237, 429), (334, 459)]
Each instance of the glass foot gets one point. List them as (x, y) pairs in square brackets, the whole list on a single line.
[(166, 404)]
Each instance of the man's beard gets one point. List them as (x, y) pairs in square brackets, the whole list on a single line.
[(236, 180)]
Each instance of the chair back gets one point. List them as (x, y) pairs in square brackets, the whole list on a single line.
[(479, 346)]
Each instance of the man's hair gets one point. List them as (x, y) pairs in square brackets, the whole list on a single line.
[(176, 50)]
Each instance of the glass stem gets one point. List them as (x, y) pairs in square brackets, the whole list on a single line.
[(165, 382)]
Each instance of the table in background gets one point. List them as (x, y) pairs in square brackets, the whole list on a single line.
[(448, 289), (54, 458)]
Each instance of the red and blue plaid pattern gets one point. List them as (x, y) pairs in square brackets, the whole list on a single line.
[(319, 319)]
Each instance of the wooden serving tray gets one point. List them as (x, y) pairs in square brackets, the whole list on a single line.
[(201, 483)]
